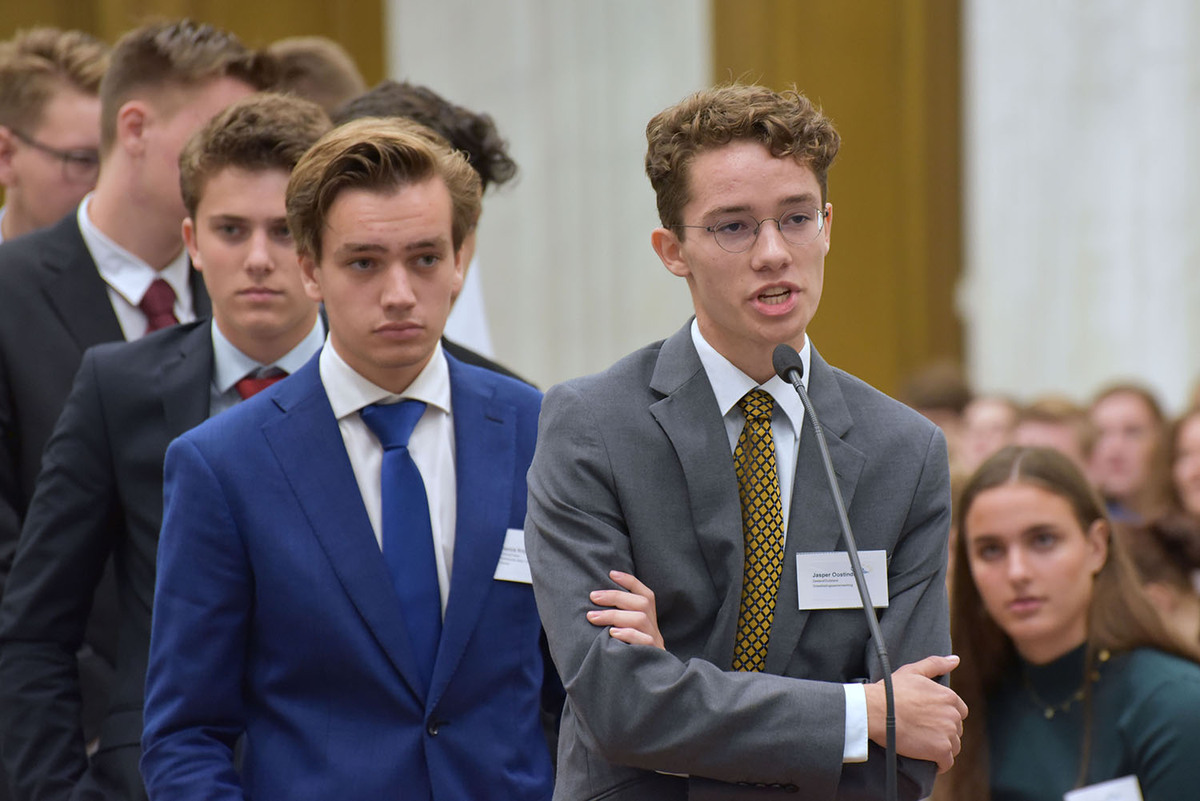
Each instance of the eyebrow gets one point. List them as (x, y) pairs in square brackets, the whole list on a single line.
[(791, 200), (352, 248)]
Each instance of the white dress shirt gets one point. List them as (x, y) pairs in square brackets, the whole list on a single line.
[(431, 445), (230, 365), (729, 384), (128, 277)]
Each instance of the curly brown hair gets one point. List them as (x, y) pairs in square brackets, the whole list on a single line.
[(787, 123)]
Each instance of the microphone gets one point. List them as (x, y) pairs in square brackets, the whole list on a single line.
[(790, 368)]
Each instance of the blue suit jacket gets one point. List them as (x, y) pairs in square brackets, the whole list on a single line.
[(275, 616)]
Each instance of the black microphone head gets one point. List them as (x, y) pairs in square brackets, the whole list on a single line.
[(785, 359)]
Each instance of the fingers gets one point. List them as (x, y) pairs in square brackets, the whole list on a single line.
[(618, 618), (631, 583), (631, 636), (931, 667)]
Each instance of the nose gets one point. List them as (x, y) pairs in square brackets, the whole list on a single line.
[(770, 249), (397, 291), (258, 258), (1018, 565)]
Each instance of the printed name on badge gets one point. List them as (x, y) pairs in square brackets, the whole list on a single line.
[(825, 580), (513, 566)]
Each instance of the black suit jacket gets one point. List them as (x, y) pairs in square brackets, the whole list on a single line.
[(53, 306), (99, 494)]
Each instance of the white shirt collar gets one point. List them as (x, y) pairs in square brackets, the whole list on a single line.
[(730, 384), (230, 365), (127, 274), (349, 391)]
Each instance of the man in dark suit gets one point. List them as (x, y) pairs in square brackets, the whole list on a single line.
[(685, 465), (100, 490), (341, 571), (117, 268)]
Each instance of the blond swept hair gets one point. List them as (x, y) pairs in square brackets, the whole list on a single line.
[(787, 123), (159, 60), (38, 62), (378, 155)]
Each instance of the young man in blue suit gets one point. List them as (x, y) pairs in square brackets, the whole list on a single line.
[(352, 599)]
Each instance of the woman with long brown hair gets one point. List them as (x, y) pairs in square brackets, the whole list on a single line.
[(1071, 677)]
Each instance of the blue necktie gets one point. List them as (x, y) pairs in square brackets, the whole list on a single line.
[(407, 535)]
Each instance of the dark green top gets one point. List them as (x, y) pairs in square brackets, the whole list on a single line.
[(1145, 721)]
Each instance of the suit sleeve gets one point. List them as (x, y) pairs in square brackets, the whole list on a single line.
[(202, 605), (10, 486), (640, 706), (67, 537), (916, 623)]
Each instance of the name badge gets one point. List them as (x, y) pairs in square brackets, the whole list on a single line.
[(1125, 788), (513, 566), (825, 580)]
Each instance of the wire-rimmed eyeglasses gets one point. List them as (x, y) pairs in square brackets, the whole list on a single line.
[(738, 233), (80, 166)]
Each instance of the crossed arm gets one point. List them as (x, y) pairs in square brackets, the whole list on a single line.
[(929, 715)]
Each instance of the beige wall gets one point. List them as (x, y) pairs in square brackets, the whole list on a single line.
[(888, 75)]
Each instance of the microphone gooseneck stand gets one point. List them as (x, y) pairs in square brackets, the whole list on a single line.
[(790, 368)]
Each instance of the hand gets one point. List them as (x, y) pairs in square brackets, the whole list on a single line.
[(929, 715), (633, 617)]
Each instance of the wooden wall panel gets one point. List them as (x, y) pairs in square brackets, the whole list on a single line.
[(889, 76), (357, 25)]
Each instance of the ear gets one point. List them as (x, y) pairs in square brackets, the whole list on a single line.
[(828, 232), (460, 269), (189, 241), (670, 250), (8, 148), (1097, 539), (133, 120), (310, 275)]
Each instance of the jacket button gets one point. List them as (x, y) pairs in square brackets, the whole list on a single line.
[(432, 728)]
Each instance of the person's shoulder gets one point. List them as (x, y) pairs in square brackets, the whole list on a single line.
[(619, 382), (1150, 665), (501, 386), (880, 412), (468, 356), (133, 354), (28, 252)]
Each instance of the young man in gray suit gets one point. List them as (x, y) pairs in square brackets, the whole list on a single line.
[(687, 465)]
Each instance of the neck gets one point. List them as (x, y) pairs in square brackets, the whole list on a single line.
[(15, 222), (1043, 652), (271, 347), (150, 233)]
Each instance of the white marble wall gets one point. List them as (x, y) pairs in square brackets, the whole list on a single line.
[(1083, 194), (570, 281)]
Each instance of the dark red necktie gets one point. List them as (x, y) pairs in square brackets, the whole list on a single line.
[(252, 384), (158, 304)]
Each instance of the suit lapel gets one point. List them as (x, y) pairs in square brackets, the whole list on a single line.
[(74, 289), (484, 463), (184, 381), (691, 420), (309, 447), (813, 521)]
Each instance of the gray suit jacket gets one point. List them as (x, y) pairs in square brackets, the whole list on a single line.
[(633, 471)]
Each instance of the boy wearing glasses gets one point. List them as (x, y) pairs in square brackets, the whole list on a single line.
[(712, 674), (49, 125)]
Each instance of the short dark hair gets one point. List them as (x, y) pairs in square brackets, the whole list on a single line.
[(376, 155), (161, 58), (787, 123), (260, 132), (474, 134)]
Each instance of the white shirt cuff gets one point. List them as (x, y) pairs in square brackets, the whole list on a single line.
[(855, 748)]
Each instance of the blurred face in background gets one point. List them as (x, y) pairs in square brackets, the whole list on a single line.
[(1128, 436), (1186, 469), (1034, 564)]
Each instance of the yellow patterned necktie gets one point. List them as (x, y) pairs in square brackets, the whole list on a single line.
[(762, 527)]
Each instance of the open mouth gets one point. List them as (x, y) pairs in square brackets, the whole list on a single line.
[(775, 295)]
